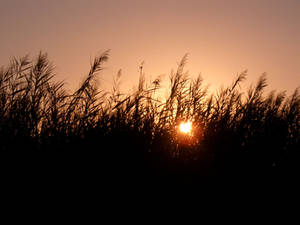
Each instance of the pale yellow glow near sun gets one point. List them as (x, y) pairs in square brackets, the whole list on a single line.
[(185, 127)]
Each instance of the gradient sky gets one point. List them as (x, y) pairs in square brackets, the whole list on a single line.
[(222, 38)]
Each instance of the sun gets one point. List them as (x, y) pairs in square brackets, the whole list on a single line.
[(185, 127)]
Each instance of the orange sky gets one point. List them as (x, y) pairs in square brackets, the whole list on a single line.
[(222, 38)]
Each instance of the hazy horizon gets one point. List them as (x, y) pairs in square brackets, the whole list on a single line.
[(222, 38)]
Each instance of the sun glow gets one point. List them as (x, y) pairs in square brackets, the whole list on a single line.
[(185, 127)]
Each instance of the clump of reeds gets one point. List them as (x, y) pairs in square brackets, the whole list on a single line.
[(233, 130)]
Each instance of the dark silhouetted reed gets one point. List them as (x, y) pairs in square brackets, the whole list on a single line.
[(234, 133)]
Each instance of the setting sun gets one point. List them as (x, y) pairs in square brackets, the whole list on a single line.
[(185, 127)]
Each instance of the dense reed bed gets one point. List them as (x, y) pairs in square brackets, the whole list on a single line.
[(234, 131)]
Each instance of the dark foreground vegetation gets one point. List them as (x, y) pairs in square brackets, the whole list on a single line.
[(135, 135)]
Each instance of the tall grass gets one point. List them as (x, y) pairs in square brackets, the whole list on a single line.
[(233, 130)]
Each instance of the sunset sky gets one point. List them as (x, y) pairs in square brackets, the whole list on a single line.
[(222, 37)]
